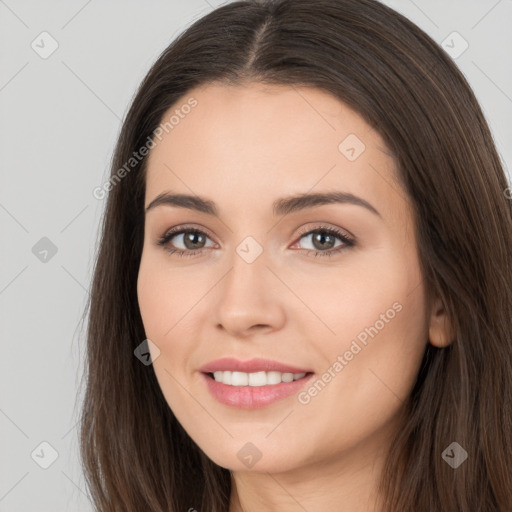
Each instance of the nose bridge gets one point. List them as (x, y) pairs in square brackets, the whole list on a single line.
[(249, 270), (245, 297)]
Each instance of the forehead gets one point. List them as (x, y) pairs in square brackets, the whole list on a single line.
[(253, 142)]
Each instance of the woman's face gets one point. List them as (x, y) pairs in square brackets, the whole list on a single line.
[(247, 284)]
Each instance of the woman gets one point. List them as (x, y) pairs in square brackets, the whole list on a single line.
[(308, 234)]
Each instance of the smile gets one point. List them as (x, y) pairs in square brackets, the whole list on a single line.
[(266, 388)]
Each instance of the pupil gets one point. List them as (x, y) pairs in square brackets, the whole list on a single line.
[(192, 237), (321, 238)]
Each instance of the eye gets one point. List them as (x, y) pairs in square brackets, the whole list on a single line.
[(323, 240), (192, 241)]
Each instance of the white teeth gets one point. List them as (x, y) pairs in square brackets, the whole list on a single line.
[(239, 379), (255, 379), (273, 377)]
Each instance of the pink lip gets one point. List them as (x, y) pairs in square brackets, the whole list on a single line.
[(251, 366), (252, 397)]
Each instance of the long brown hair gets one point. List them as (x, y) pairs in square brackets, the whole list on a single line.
[(135, 454)]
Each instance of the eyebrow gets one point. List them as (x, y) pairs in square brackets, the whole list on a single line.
[(282, 206)]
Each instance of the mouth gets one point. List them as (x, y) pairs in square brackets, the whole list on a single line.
[(255, 390)]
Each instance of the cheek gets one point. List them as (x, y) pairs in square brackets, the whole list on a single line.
[(381, 336), (369, 371), (154, 303), (163, 303), (166, 295), (368, 296), (173, 308)]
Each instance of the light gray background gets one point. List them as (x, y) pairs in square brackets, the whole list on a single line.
[(59, 119)]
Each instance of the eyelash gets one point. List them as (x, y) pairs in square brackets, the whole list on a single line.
[(347, 241)]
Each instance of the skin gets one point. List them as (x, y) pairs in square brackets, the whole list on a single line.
[(243, 147)]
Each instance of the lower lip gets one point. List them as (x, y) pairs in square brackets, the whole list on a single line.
[(253, 397)]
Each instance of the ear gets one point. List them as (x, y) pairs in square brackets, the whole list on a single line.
[(440, 332)]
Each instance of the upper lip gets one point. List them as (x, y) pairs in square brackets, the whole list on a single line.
[(251, 366)]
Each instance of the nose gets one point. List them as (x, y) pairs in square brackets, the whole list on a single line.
[(250, 298)]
